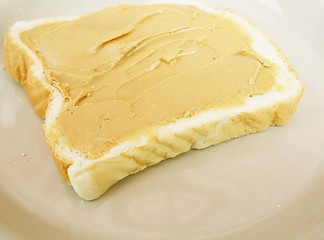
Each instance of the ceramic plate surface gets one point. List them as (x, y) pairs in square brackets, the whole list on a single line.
[(267, 186)]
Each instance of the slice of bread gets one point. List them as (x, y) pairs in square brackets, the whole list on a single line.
[(90, 178)]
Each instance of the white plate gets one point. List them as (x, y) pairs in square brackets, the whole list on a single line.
[(264, 186)]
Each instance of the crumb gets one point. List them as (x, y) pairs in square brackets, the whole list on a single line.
[(24, 154)]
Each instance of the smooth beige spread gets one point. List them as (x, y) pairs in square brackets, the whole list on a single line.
[(129, 68)]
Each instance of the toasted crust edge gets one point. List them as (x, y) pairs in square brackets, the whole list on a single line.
[(18, 65)]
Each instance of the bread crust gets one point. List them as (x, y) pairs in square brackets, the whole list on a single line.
[(91, 178), (17, 65), (170, 145)]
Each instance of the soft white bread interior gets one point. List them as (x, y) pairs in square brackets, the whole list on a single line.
[(90, 178)]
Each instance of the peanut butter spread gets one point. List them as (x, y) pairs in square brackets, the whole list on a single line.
[(127, 69)]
